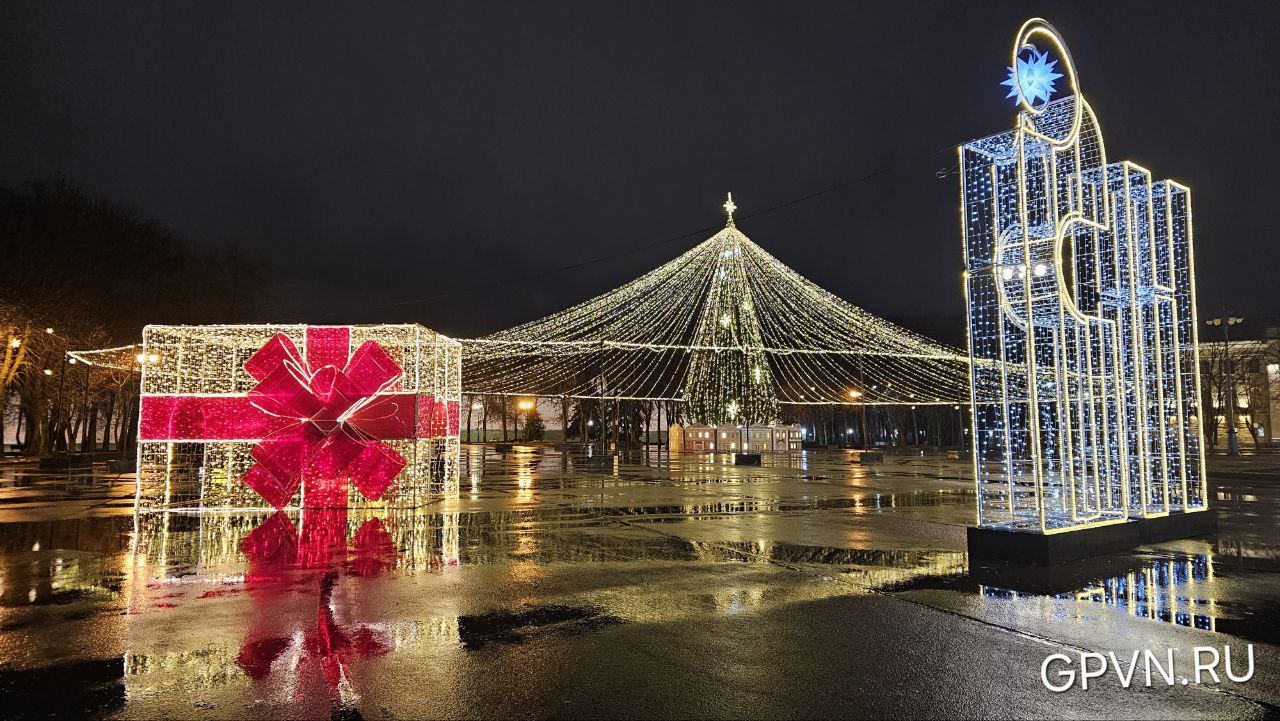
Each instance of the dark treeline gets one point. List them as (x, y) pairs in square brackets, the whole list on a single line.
[(77, 272)]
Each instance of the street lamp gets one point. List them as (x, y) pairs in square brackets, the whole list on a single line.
[(856, 396), (1226, 321), (525, 406)]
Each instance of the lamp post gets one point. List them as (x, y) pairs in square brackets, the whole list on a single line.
[(62, 381), (55, 416), (88, 439), (1226, 321), (525, 406), (856, 396)]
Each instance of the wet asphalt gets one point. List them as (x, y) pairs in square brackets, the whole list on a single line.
[(567, 585)]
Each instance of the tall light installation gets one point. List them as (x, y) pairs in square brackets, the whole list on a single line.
[(729, 379), (1080, 290)]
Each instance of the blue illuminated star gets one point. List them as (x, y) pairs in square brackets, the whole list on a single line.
[(1036, 76)]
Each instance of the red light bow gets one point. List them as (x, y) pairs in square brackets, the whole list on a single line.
[(334, 418)]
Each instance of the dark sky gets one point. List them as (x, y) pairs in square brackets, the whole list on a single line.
[(378, 153)]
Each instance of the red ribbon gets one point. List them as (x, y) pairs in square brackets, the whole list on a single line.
[(320, 418)]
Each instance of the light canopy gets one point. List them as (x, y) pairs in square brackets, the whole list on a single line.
[(727, 328)]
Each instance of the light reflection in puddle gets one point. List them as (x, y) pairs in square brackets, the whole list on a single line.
[(1176, 590)]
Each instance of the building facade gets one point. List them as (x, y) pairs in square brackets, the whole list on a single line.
[(1250, 368), (700, 438)]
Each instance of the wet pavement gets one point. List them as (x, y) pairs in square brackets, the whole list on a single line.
[(566, 585)]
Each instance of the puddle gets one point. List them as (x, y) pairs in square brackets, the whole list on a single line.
[(514, 627), (1179, 589), (79, 689)]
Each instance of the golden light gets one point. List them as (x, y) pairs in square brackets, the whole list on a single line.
[(48, 372), (49, 331), (15, 342), (153, 358), (140, 357), (855, 394)]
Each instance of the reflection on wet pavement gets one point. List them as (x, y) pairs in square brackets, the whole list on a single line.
[(542, 562)]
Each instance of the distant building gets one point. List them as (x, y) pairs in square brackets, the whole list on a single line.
[(1252, 371), (700, 438)]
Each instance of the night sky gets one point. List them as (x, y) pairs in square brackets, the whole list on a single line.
[(436, 162)]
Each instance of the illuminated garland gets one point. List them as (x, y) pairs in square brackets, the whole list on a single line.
[(727, 328), (121, 358)]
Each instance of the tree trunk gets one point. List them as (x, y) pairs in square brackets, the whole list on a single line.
[(90, 430), (131, 427), (37, 431), (564, 419), (107, 414), (470, 403)]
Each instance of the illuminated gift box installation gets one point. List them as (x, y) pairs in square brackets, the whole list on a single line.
[(260, 416)]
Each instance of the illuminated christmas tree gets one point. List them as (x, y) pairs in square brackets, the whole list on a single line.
[(729, 380)]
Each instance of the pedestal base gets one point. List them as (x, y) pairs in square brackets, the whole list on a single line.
[(1049, 549), (1179, 525)]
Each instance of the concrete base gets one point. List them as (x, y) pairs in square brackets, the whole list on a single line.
[(1049, 549), (1179, 525), (746, 459)]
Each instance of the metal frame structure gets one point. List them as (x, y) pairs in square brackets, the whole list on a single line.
[(1080, 291)]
